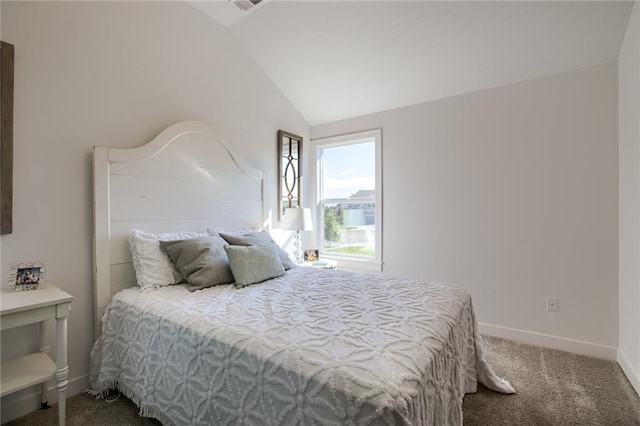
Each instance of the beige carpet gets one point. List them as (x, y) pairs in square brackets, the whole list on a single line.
[(554, 388)]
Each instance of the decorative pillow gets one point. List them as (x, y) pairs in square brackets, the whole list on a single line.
[(254, 264), (258, 238), (153, 267), (202, 261)]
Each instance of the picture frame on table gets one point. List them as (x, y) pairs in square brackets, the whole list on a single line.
[(311, 255), (24, 276)]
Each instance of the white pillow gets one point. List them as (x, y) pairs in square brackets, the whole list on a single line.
[(154, 269), (231, 231)]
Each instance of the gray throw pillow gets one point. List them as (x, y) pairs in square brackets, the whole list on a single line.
[(258, 238), (202, 261), (254, 264)]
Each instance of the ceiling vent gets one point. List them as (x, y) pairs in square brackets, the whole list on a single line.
[(246, 4)]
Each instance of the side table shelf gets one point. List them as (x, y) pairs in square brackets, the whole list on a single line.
[(26, 371), (37, 306)]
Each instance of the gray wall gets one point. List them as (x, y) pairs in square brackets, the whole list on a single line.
[(512, 193), (629, 134)]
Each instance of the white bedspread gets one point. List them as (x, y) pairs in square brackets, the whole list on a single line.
[(312, 347)]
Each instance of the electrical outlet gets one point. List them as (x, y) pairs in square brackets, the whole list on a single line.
[(552, 304)]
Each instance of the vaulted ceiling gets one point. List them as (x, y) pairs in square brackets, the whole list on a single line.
[(341, 59)]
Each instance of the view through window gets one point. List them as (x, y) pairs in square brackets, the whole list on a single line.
[(348, 199)]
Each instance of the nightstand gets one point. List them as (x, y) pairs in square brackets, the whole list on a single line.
[(28, 307), (330, 264)]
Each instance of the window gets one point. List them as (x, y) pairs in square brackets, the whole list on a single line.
[(348, 199)]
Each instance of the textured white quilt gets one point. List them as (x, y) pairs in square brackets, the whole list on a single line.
[(314, 346)]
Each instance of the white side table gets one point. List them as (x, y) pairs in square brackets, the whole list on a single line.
[(28, 307), (324, 264)]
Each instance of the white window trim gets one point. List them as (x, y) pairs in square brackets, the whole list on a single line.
[(347, 261)]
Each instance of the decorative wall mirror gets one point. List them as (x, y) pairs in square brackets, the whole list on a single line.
[(289, 171)]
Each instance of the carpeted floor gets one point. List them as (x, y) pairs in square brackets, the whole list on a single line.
[(554, 388)]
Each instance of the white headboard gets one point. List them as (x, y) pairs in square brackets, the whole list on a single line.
[(186, 179)]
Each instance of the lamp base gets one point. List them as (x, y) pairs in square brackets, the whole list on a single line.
[(298, 246)]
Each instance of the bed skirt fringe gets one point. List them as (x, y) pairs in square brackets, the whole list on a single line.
[(104, 389)]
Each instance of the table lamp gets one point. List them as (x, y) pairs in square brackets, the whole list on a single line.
[(298, 219)]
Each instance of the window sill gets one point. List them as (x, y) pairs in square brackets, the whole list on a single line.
[(354, 264)]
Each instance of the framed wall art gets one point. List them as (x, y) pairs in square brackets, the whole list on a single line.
[(6, 137)]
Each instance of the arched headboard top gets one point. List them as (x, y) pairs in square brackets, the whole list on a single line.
[(171, 138), (188, 178)]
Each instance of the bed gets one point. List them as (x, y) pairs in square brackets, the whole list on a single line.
[(309, 346)]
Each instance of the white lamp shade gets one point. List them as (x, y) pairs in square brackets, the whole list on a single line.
[(298, 219)]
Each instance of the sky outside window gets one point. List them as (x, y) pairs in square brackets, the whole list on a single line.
[(348, 169)]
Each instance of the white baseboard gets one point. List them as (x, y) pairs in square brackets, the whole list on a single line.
[(28, 400), (629, 371), (549, 341)]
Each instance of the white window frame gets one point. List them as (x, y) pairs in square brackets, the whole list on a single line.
[(346, 261)]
